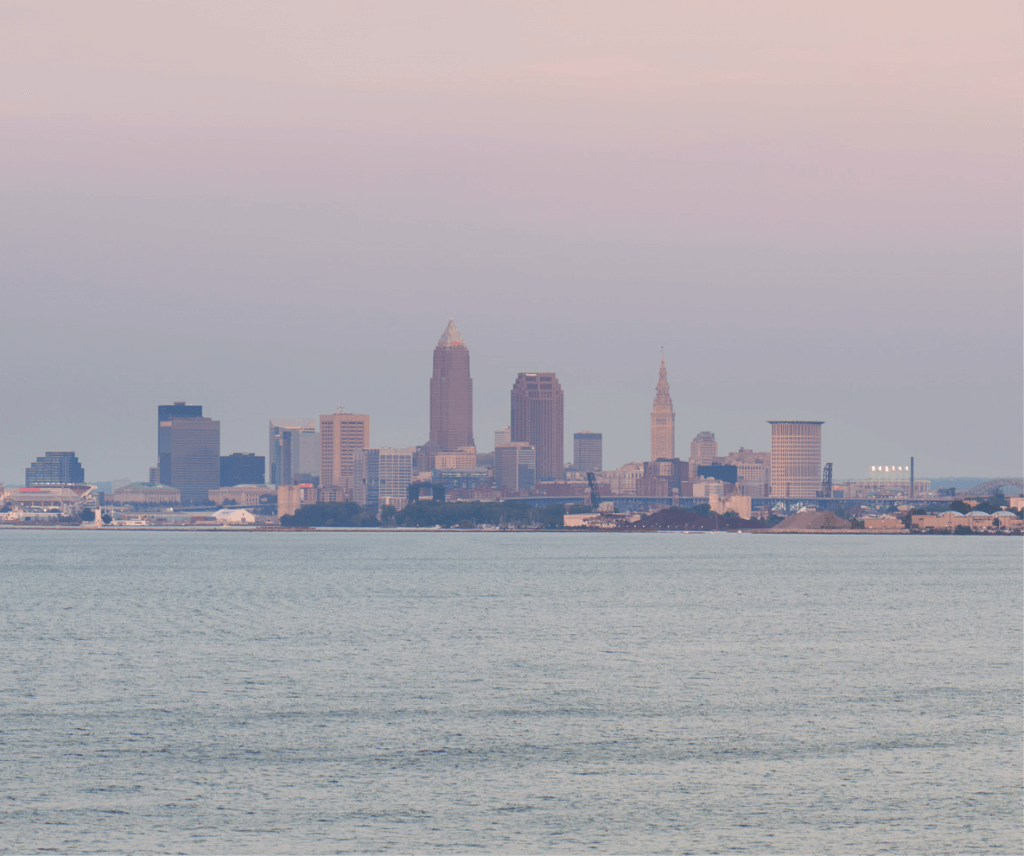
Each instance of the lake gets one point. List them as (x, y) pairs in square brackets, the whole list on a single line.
[(429, 692)]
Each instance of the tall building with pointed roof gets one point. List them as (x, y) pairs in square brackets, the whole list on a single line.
[(663, 420), (451, 393)]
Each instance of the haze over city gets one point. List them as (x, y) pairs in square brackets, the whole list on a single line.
[(272, 210)]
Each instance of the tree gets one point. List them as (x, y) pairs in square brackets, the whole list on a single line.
[(106, 518), (387, 514), (331, 514), (88, 515)]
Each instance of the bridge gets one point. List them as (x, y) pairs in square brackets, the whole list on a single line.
[(993, 486), (783, 504)]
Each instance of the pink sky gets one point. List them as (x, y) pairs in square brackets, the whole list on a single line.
[(836, 185)]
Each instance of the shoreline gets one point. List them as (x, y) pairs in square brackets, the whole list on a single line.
[(411, 530)]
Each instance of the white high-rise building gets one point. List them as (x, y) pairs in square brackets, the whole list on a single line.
[(796, 459), (382, 476)]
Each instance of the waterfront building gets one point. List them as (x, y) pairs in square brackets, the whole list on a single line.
[(382, 476), (796, 459), (703, 451), (188, 448), (515, 467), (55, 468), (538, 419), (294, 450), (586, 452), (242, 494), (291, 497), (451, 393), (663, 419), (242, 468), (341, 434), (145, 494), (48, 503), (883, 482)]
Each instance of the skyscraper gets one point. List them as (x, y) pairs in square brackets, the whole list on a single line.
[(55, 468), (382, 476), (796, 459), (515, 466), (242, 468), (340, 435), (586, 452), (663, 420), (294, 450), (451, 393), (703, 451), (537, 419), (188, 449)]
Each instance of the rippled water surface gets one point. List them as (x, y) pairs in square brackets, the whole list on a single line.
[(486, 692)]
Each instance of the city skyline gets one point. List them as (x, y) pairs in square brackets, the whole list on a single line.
[(661, 427), (817, 213)]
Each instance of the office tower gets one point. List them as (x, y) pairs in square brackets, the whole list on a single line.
[(242, 468), (294, 450), (663, 420), (515, 466), (586, 452), (382, 476), (451, 393), (55, 468), (188, 447), (340, 435), (537, 419), (178, 410), (796, 459), (703, 451), (502, 437), (753, 470)]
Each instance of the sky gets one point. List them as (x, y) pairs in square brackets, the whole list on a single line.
[(272, 209)]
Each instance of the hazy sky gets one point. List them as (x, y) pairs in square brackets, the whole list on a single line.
[(271, 209)]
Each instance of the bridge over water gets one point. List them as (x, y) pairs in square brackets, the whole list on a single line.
[(647, 503)]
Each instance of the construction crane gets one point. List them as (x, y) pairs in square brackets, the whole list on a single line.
[(595, 497)]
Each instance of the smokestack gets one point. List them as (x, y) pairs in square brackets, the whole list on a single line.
[(911, 476)]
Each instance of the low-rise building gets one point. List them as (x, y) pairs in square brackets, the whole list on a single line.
[(242, 494), (598, 520), (145, 494), (978, 521), (463, 459), (291, 497), (47, 503), (885, 522), (234, 517)]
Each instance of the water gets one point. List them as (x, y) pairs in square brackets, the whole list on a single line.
[(485, 692)]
